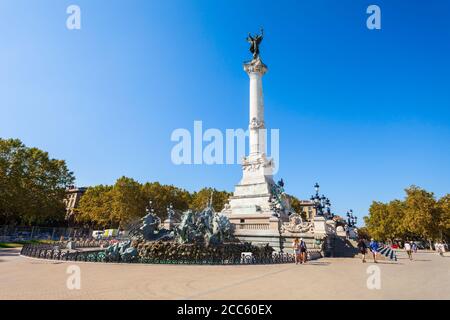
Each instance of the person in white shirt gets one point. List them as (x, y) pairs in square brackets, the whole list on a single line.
[(408, 250), (440, 248)]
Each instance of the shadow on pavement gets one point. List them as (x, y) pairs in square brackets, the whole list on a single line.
[(9, 252), (420, 260), (386, 262), (323, 264)]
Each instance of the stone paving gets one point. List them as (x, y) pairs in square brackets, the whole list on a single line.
[(427, 277)]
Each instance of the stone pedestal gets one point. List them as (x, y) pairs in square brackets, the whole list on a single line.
[(320, 227)]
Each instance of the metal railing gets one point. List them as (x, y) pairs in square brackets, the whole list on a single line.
[(54, 252)]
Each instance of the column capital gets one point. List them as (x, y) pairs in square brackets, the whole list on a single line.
[(255, 66)]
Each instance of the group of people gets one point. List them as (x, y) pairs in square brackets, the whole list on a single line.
[(409, 247), (373, 247), (300, 251)]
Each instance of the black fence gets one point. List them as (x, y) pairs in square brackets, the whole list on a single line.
[(56, 252)]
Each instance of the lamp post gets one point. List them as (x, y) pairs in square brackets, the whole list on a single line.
[(351, 219), (328, 207), (321, 203), (316, 199)]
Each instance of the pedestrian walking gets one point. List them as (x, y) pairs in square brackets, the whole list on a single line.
[(373, 245), (408, 249), (362, 249), (296, 247), (440, 249), (303, 251), (414, 247)]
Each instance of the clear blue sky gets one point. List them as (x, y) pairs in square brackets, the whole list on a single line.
[(364, 113)]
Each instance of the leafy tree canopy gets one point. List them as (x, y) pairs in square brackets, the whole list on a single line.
[(32, 185), (419, 216)]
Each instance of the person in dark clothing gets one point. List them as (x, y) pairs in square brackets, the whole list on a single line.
[(303, 251), (362, 249)]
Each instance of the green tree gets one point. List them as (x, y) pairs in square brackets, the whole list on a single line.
[(422, 215), (128, 202), (164, 195), (385, 220), (200, 199), (95, 207), (32, 185), (296, 206), (375, 220), (444, 221)]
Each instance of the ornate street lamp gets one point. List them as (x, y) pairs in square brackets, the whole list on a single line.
[(316, 187), (328, 207), (321, 203), (351, 220)]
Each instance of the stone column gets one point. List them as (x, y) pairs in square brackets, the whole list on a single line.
[(255, 70)]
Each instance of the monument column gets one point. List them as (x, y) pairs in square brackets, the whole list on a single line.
[(252, 205), (256, 70)]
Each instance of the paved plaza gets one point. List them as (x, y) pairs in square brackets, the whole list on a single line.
[(427, 277)]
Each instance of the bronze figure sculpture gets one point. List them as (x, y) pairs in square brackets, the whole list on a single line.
[(254, 43)]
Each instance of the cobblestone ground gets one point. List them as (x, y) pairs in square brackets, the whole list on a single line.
[(426, 277)]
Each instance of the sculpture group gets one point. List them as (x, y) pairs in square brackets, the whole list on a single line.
[(204, 229)]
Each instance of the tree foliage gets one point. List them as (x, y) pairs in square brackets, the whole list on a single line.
[(201, 198), (95, 207), (164, 195), (296, 206), (32, 185), (419, 215), (385, 220), (125, 202), (444, 221), (128, 201)]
